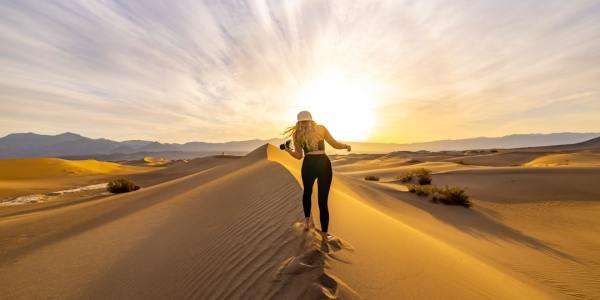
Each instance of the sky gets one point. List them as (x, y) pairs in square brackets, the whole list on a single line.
[(379, 71)]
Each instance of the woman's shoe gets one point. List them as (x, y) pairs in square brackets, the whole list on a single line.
[(326, 236), (306, 225)]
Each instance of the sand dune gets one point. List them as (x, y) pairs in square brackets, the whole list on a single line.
[(585, 159), (45, 193), (20, 177), (231, 231), (33, 168), (223, 233)]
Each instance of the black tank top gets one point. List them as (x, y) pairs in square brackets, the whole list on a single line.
[(320, 146)]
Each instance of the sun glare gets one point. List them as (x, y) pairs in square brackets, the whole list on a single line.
[(344, 106)]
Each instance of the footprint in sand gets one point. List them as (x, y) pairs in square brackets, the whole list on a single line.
[(313, 262), (313, 259), (334, 244), (328, 286)]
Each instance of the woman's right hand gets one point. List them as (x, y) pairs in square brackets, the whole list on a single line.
[(348, 147)]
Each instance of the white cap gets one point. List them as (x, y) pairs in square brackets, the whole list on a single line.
[(304, 116)]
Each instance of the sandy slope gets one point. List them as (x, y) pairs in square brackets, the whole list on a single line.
[(540, 223), (552, 243), (230, 232)]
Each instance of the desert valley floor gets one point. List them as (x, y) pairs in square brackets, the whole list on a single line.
[(229, 228)]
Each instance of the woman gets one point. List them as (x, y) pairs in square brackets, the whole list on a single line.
[(308, 138)]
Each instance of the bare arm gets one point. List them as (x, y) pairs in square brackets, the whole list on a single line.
[(297, 153), (331, 141)]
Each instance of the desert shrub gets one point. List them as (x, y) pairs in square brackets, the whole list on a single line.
[(372, 178), (413, 161), (420, 190), (424, 179), (446, 195), (451, 196), (121, 186), (406, 177), (423, 176)]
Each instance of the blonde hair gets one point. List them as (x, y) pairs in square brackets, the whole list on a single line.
[(304, 133)]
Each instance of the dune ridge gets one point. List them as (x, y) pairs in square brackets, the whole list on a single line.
[(222, 233)]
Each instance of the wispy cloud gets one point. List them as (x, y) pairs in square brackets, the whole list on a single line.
[(222, 70)]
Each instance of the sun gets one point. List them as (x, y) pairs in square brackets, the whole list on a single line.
[(345, 107)]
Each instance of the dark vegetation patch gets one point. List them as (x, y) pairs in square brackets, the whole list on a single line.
[(446, 195), (372, 178), (422, 176), (121, 185)]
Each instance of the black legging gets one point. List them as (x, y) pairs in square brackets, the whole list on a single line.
[(317, 167)]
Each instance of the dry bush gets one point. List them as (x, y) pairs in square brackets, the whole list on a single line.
[(446, 195), (121, 185), (421, 190), (452, 196), (372, 178), (424, 179), (406, 177), (423, 176)]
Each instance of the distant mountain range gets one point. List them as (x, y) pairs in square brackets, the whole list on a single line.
[(71, 145), (505, 142)]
